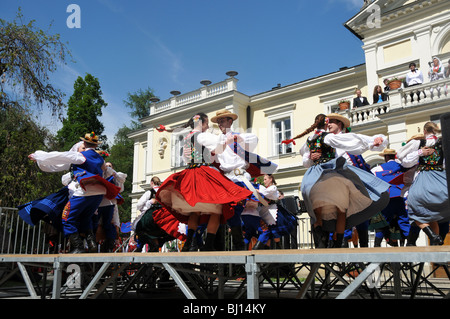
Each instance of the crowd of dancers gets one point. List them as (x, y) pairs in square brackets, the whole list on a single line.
[(218, 190)]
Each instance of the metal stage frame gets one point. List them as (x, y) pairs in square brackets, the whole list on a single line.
[(203, 275)]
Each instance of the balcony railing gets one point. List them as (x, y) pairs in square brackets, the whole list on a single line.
[(202, 93), (401, 98)]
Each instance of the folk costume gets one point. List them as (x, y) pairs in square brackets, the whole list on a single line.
[(107, 208), (332, 182), (156, 225), (428, 195), (200, 188), (395, 212), (86, 189), (280, 222), (238, 163)]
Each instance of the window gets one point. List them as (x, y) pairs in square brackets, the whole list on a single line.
[(280, 124), (177, 150), (281, 130)]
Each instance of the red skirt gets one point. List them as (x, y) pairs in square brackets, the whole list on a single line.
[(171, 225), (201, 189)]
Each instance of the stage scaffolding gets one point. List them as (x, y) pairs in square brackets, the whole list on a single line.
[(305, 273), (331, 273)]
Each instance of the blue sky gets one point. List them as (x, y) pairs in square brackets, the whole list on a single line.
[(174, 44)]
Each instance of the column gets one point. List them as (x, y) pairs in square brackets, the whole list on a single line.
[(370, 51), (423, 49)]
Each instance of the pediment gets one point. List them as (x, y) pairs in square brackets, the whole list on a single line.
[(372, 16)]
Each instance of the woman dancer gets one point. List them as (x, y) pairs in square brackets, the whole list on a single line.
[(200, 192), (428, 203), (337, 194), (280, 222)]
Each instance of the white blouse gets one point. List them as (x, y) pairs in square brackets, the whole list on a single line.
[(344, 143)]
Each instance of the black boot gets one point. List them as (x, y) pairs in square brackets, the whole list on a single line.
[(434, 238), (320, 237), (76, 243), (209, 242), (378, 241), (91, 242), (338, 242), (363, 238), (188, 242), (109, 245), (412, 238), (238, 238)]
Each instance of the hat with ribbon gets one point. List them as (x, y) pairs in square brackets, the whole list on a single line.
[(223, 113), (387, 151), (339, 117), (91, 138)]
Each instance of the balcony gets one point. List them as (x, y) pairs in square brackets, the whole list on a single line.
[(202, 93), (427, 95)]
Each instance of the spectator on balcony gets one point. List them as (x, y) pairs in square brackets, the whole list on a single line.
[(378, 95), (436, 73), (414, 77), (386, 86), (447, 70), (359, 100)]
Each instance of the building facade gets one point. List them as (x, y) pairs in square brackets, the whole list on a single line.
[(393, 34)]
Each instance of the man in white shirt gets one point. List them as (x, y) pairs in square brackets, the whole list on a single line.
[(233, 166), (414, 77)]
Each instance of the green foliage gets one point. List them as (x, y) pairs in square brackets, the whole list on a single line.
[(83, 110), (27, 57), (122, 159), (20, 179), (139, 103)]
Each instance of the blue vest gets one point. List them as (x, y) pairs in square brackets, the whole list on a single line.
[(391, 170), (92, 165), (92, 168)]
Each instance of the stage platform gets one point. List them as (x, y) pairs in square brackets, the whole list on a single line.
[(390, 272)]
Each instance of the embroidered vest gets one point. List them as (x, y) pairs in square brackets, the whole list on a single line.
[(198, 154), (317, 145), (434, 161)]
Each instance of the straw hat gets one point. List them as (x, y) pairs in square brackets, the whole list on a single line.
[(416, 137), (223, 113), (387, 151), (91, 138), (339, 117)]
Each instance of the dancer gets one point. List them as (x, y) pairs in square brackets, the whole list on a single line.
[(200, 192), (280, 222), (337, 194), (156, 225), (105, 211), (88, 188), (239, 164), (395, 212), (428, 203)]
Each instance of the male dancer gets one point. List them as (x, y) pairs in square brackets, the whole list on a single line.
[(89, 188), (237, 164)]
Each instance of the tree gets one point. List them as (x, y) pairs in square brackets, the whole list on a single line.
[(20, 179), (27, 57), (122, 159), (83, 110), (139, 103), (123, 149)]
